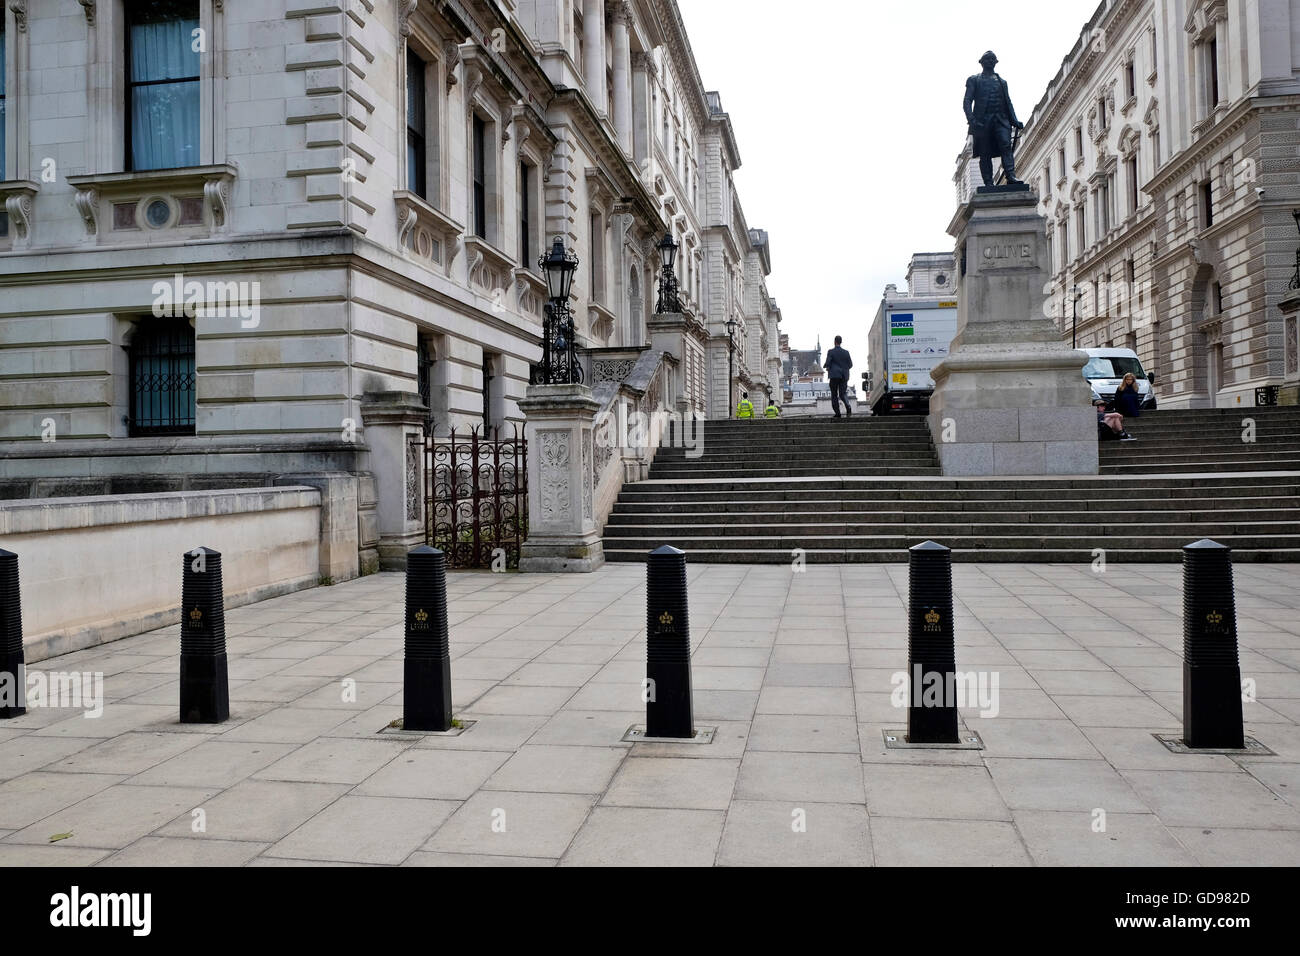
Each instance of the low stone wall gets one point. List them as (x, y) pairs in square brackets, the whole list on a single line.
[(94, 569)]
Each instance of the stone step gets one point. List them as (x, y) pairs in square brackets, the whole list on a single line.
[(669, 474), (1168, 539), (929, 489), (1154, 468), (678, 515), (1214, 527), (1080, 556)]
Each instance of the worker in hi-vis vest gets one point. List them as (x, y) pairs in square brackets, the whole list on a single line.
[(772, 410), (745, 408)]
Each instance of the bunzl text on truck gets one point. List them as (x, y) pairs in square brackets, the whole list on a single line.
[(908, 338)]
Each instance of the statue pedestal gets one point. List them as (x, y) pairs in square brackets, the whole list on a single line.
[(562, 532), (1010, 399)]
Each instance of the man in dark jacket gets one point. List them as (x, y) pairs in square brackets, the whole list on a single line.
[(838, 365)]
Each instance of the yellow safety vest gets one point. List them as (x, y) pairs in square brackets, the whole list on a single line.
[(772, 412), (745, 409)]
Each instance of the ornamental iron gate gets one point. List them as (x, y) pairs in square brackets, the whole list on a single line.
[(476, 495)]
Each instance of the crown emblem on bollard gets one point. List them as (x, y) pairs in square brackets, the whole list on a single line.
[(196, 615), (666, 619), (932, 616), (1214, 617), (421, 615)]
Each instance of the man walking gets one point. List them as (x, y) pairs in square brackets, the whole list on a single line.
[(744, 408), (838, 365)]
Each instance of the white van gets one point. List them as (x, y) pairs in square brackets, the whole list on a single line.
[(1106, 368)]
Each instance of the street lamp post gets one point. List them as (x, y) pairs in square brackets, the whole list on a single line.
[(731, 365), (559, 358), (668, 298)]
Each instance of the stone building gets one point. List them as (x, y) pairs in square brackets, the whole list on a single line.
[(1164, 156), (238, 233)]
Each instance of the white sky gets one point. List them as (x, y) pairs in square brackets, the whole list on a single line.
[(848, 117)]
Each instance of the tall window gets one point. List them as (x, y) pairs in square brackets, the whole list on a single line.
[(1081, 224), (1212, 53), (161, 356), (525, 215), (162, 84), (2, 100), (1060, 159), (1047, 181), (480, 178), (1131, 176), (1065, 243), (1207, 204), (1130, 80), (417, 160), (597, 258), (1101, 112), (424, 362), (1078, 142), (488, 388)]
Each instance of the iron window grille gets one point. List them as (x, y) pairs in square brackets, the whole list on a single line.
[(162, 378)]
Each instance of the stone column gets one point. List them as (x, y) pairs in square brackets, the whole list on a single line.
[(1010, 399), (394, 433), (593, 47), (622, 15), (643, 74), (562, 533)]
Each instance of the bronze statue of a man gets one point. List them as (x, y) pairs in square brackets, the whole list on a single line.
[(990, 118)]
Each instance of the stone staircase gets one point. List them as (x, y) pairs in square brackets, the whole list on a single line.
[(866, 489), (1207, 440)]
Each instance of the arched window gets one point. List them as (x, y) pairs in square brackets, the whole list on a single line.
[(161, 355)]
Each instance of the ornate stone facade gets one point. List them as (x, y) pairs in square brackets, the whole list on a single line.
[(1164, 156)]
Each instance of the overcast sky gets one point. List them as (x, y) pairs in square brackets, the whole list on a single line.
[(849, 123)]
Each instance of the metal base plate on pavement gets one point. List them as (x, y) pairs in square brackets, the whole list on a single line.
[(1174, 744), (966, 740), (395, 729), (636, 735)]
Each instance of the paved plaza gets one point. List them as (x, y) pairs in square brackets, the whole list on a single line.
[(793, 669)]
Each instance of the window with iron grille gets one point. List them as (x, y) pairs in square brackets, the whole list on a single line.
[(161, 356), (162, 84)]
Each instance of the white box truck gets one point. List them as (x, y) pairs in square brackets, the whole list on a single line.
[(908, 338)]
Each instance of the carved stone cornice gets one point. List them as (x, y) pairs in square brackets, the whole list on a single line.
[(424, 232), (17, 196), (451, 60), (645, 61), (618, 11), (405, 10), (215, 182)]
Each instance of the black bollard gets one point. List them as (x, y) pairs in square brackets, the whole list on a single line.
[(205, 685), (1211, 671), (931, 651), (668, 710), (426, 694), (13, 678)]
